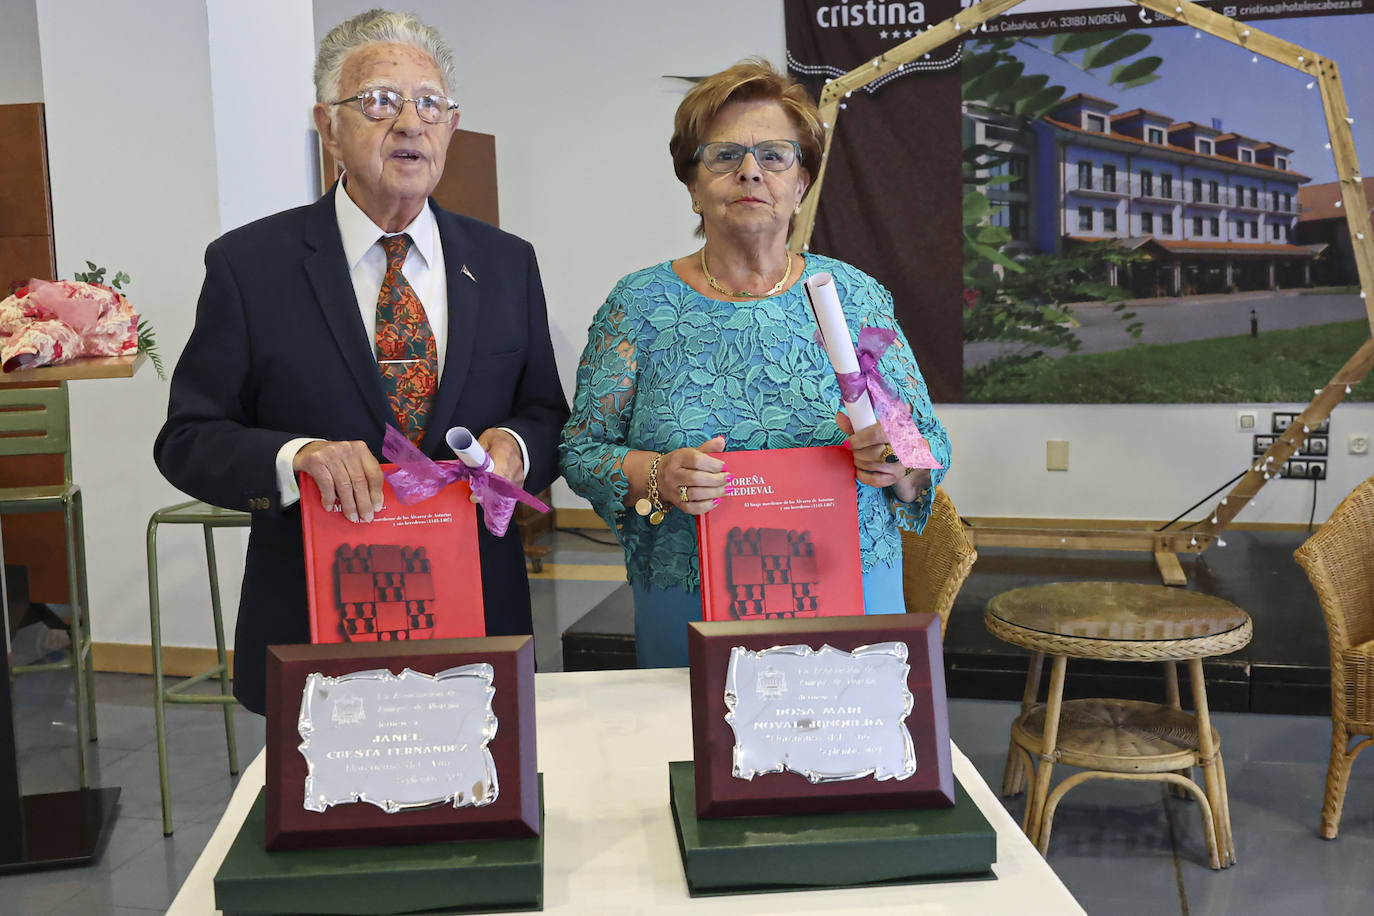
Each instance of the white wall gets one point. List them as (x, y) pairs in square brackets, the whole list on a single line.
[(576, 97), (19, 59), (1132, 461), (139, 191), (261, 66), (134, 191)]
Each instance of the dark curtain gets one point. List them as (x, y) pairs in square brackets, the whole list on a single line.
[(891, 203)]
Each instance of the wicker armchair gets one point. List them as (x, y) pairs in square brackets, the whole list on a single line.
[(936, 562), (1339, 560)]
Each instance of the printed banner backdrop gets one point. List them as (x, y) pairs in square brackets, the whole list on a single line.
[(1151, 212)]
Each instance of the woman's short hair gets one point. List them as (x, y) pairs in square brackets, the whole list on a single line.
[(750, 80), (377, 27)]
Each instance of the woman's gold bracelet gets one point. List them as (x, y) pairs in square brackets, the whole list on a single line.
[(652, 506)]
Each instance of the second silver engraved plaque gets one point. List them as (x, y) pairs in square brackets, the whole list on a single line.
[(826, 715)]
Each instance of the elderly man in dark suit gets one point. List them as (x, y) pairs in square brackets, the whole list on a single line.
[(319, 326)]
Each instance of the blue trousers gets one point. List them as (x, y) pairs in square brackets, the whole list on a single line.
[(662, 614)]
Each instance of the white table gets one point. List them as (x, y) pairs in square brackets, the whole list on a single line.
[(605, 739)]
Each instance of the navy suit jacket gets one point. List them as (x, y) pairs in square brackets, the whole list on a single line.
[(279, 351)]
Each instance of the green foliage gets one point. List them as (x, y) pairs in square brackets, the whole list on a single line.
[(1021, 299), (147, 343), (990, 313), (1068, 42), (1137, 73), (147, 340), (1078, 275), (995, 77), (1024, 302), (1278, 366), (1117, 49), (96, 274)]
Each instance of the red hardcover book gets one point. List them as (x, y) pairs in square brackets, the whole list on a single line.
[(413, 572), (785, 543)]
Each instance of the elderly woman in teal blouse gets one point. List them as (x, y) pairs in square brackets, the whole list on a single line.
[(715, 350)]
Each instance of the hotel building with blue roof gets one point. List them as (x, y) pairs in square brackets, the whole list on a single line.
[(1212, 211)]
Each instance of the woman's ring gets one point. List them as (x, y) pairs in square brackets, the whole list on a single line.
[(682, 493), (888, 454)]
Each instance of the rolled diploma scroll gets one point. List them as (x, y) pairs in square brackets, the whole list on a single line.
[(498, 508), (825, 305), (468, 450)]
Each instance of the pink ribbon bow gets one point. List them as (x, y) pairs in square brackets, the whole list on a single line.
[(893, 413), (418, 477)]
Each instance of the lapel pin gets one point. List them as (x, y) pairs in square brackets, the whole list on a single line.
[(467, 273)]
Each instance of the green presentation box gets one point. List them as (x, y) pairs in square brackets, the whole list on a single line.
[(466, 876), (740, 855)]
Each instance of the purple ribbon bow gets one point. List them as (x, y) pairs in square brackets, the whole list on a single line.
[(418, 477), (893, 413)]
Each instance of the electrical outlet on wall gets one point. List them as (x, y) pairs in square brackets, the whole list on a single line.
[(1262, 444), (1316, 445), (1056, 455), (1358, 443), (1295, 469), (1281, 421), (1316, 470)]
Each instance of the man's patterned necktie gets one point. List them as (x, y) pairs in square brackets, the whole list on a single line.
[(406, 352)]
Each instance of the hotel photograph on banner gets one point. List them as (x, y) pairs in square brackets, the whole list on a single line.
[(1150, 214)]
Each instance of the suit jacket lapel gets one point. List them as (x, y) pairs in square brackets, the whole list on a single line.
[(328, 272), (464, 305)]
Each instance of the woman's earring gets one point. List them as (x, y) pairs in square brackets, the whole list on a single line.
[(696, 206)]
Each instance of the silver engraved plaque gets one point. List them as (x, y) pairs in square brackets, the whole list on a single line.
[(828, 715), (399, 742)]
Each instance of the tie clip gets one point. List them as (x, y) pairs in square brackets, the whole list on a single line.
[(385, 362)]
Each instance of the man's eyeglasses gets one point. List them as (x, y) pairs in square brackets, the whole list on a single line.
[(771, 155), (386, 105)]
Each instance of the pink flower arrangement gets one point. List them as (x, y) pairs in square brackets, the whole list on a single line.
[(45, 324)]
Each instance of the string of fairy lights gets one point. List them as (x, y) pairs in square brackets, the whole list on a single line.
[(1347, 170)]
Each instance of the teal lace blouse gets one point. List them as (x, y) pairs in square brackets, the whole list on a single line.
[(666, 367)]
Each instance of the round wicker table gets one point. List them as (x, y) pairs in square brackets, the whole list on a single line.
[(1117, 739)]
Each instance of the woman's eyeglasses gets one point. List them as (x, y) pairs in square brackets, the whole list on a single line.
[(771, 155)]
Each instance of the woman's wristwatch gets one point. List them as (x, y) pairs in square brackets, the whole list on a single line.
[(652, 506)]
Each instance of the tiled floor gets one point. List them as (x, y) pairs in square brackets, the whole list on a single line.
[(1126, 848), (1121, 848)]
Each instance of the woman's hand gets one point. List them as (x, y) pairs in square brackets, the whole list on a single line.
[(871, 465), (692, 480)]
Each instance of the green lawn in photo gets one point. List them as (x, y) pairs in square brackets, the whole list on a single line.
[(1277, 366)]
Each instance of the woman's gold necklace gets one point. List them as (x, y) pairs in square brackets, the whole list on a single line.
[(744, 293)]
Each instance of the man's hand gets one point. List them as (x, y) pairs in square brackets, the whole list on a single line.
[(346, 473), (505, 454)]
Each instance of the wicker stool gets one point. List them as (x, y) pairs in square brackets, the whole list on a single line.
[(1118, 739), (209, 518)]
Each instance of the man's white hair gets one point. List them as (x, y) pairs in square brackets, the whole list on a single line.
[(371, 28)]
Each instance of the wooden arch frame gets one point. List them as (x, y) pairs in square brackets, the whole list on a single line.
[(1324, 72)]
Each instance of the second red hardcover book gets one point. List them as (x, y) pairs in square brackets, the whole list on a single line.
[(785, 542)]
